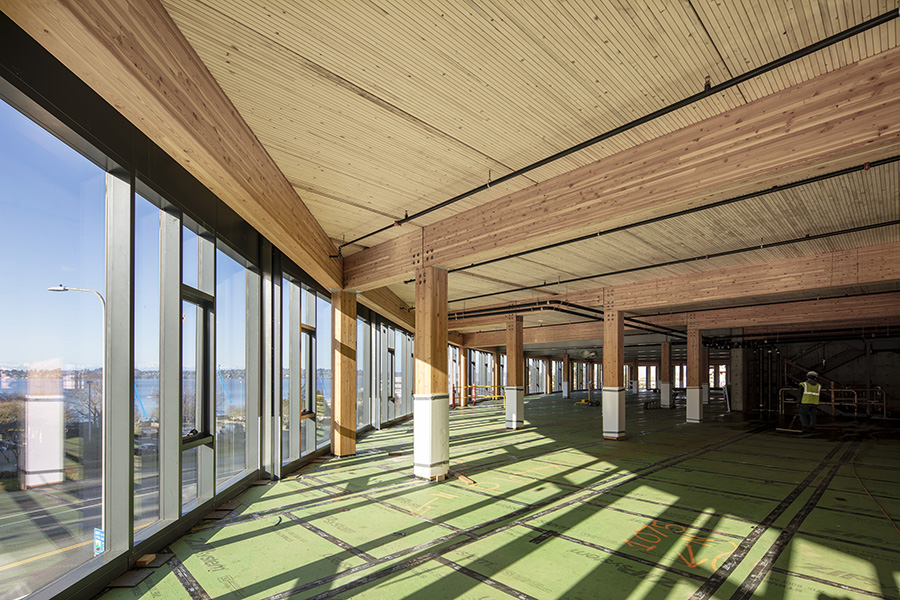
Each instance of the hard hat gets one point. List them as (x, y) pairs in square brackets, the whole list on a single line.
[(812, 374)]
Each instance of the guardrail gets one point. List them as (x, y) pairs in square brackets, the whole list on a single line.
[(475, 394), (841, 398)]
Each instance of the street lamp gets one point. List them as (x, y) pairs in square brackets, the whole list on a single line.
[(63, 288)]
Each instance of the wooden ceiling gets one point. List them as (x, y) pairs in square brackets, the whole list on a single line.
[(318, 120), (374, 110)]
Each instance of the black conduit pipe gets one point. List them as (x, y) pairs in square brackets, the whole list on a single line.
[(711, 91), (688, 211), (680, 261)]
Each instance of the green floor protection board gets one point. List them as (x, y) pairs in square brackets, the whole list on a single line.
[(725, 509)]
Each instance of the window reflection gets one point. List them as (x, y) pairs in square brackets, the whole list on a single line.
[(51, 395), (231, 368), (146, 365)]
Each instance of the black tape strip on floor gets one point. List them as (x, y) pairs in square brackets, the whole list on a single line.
[(834, 584), (367, 495), (353, 570), (327, 536), (685, 525), (281, 510), (619, 553), (762, 568), (677, 506), (415, 561), (715, 581), (191, 585), (851, 542), (484, 579)]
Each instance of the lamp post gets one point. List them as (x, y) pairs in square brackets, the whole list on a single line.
[(63, 288)]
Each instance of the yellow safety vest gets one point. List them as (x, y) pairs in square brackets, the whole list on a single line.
[(810, 392)]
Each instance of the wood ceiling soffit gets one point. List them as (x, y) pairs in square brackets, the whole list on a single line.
[(357, 143), (421, 69), (834, 120), (388, 304), (138, 60)]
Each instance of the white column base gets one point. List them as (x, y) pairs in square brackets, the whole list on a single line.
[(694, 405), (515, 407), (705, 391), (614, 413), (634, 387), (665, 394), (565, 389), (431, 435)]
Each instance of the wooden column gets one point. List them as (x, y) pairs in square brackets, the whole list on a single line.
[(694, 371), (613, 376), (463, 376), (495, 374), (704, 375), (566, 376), (665, 376), (515, 373), (343, 376), (431, 441), (547, 375), (633, 376)]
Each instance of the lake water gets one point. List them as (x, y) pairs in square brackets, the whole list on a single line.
[(230, 393)]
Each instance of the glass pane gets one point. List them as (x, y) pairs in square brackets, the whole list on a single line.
[(323, 372), (190, 255), (52, 207), (190, 400), (189, 488), (231, 369), (307, 426), (146, 365), (286, 371), (398, 372), (362, 366)]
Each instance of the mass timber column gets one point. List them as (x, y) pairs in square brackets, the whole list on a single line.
[(463, 376), (694, 370), (665, 376), (431, 402), (343, 380), (547, 375), (704, 374), (633, 376), (515, 373), (566, 376), (737, 375), (495, 374), (613, 376)]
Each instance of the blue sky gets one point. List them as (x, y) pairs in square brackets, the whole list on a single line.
[(52, 217)]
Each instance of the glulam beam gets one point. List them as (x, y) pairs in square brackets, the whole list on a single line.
[(836, 120), (135, 57)]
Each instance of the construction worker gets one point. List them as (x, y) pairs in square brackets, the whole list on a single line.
[(809, 403)]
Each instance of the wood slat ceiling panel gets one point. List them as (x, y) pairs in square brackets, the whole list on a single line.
[(750, 34), (553, 70), (854, 240), (375, 109), (327, 138)]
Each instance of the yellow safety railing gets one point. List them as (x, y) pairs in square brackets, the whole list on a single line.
[(473, 394), (840, 397)]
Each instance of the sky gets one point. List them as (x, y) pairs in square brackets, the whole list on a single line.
[(52, 222)]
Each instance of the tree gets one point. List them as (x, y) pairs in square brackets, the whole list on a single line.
[(12, 425), (85, 403)]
